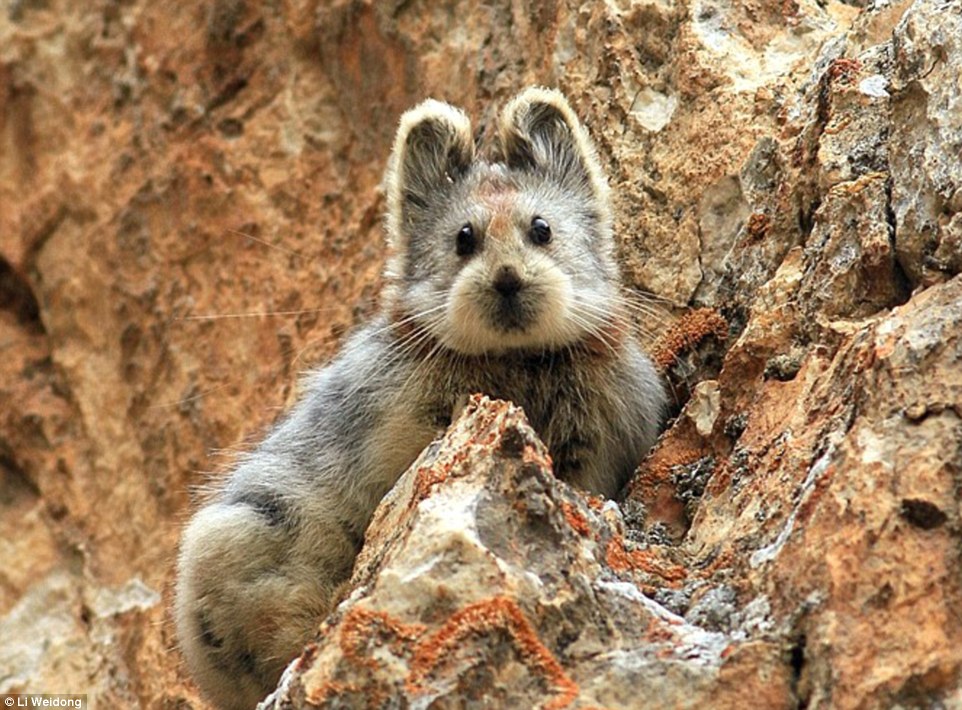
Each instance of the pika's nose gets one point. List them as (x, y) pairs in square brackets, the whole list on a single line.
[(507, 282)]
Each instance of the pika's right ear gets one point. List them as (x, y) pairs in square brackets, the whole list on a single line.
[(540, 133), (433, 149)]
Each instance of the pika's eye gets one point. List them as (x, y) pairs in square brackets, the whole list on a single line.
[(466, 243), (540, 232)]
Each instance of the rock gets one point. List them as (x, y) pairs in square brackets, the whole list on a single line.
[(486, 580), (829, 521), (703, 406), (191, 216), (850, 268), (926, 137)]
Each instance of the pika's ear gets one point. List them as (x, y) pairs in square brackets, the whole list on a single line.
[(540, 133), (433, 149)]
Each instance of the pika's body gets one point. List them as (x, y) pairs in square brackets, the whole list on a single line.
[(501, 280)]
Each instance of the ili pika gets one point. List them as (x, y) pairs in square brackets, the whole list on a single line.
[(501, 279)]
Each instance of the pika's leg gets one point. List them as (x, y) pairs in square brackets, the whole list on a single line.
[(248, 598)]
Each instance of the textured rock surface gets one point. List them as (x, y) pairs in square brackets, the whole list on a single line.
[(171, 172), (485, 580)]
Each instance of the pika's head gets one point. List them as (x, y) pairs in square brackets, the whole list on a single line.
[(512, 253)]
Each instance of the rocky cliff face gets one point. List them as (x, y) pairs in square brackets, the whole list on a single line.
[(191, 216)]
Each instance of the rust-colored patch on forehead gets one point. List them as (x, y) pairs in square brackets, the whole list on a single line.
[(499, 198)]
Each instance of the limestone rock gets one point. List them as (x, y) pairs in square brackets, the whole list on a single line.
[(486, 580)]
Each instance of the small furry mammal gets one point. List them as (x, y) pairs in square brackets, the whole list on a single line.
[(501, 280)]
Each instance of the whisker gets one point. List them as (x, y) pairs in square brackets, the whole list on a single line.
[(638, 305), (398, 350), (412, 378), (187, 400), (603, 314), (410, 318), (649, 296), (594, 331), (378, 331), (265, 243), (256, 314)]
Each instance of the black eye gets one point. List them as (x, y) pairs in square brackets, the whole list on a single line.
[(466, 243), (540, 232)]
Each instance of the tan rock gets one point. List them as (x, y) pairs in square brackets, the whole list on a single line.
[(484, 579)]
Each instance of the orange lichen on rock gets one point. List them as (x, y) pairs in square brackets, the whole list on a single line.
[(490, 424), (758, 226), (658, 468), (494, 614), (489, 414), (844, 69), (307, 655), (359, 626), (575, 519), (621, 560), (426, 478), (330, 689), (659, 633), (687, 332), (654, 487), (537, 458), (437, 472)]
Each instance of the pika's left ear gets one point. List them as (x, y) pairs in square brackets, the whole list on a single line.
[(540, 133), (433, 150)]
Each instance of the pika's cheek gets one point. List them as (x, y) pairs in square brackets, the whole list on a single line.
[(554, 296), (466, 303), (463, 286)]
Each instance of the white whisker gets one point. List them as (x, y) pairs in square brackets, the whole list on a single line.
[(261, 241), (256, 314)]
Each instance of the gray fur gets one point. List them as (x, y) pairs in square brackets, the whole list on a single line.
[(262, 562)]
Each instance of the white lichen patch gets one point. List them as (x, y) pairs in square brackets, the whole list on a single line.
[(874, 86)]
